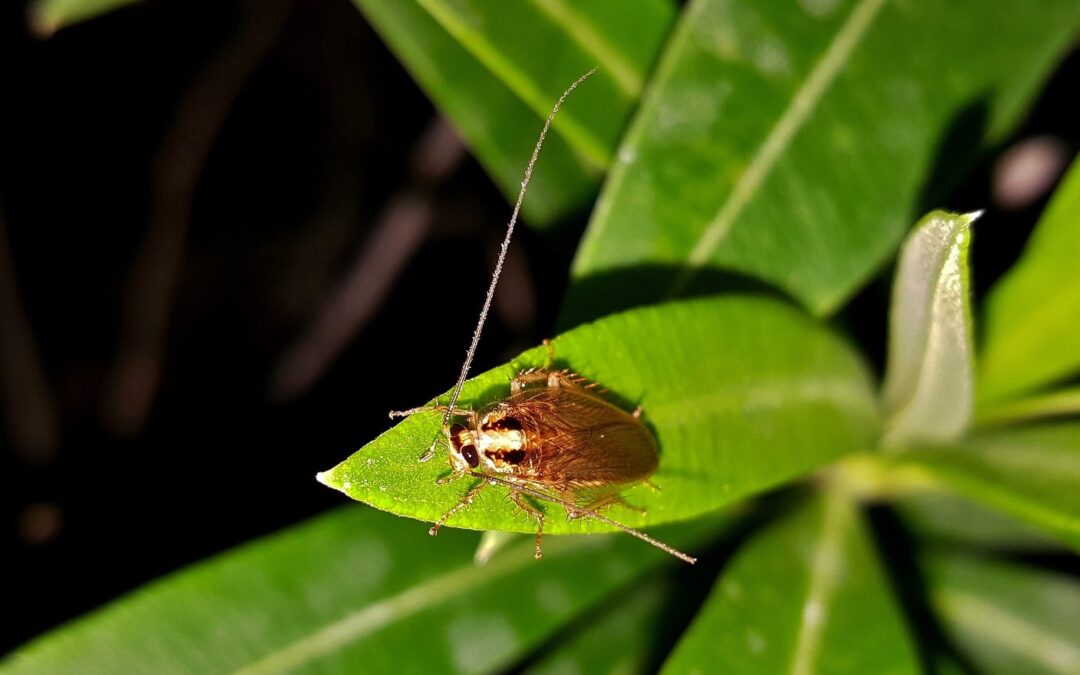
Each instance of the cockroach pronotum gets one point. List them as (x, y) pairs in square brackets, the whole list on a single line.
[(554, 438)]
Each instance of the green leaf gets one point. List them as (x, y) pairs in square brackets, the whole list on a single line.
[(48, 16), (743, 393), (490, 67), (1031, 473), (1060, 403), (796, 142), (944, 518), (618, 640), (806, 595), (354, 591), (1033, 312), (1007, 618), (928, 390)]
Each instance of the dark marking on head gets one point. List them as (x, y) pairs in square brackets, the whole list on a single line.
[(503, 424), (456, 432), (514, 457)]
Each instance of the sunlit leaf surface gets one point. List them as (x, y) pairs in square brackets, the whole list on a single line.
[(743, 393)]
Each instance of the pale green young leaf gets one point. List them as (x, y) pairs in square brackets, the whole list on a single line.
[(805, 595), (1032, 315), (928, 393), (742, 393)]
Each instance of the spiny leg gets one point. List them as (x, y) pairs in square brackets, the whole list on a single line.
[(465, 501), (535, 513)]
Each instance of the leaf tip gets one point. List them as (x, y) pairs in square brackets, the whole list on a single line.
[(331, 479)]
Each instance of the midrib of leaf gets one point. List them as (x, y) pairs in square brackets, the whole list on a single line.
[(780, 393), (629, 79), (1051, 651), (590, 148), (825, 574), (367, 620), (804, 102), (952, 259)]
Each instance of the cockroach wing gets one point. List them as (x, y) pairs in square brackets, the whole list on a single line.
[(578, 442)]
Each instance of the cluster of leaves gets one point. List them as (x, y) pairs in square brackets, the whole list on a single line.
[(780, 146)]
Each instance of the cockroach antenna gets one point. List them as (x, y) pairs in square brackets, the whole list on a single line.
[(498, 267)]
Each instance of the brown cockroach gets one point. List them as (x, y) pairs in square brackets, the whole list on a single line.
[(554, 438)]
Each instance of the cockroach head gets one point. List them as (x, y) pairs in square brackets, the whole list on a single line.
[(464, 455)]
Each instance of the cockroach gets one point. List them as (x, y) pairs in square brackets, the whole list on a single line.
[(555, 437)]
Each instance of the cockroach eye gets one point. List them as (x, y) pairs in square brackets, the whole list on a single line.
[(469, 453)]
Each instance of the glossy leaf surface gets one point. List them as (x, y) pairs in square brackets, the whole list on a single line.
[(1033, 313), (805, 595), (796, 142), (354, 591), (742, 393)]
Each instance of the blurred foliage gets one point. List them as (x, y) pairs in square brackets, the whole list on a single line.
[(782, 148)]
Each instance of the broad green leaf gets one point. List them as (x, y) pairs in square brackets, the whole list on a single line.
[(743, 393), (496, 68), (1033, 312), (1007, 618), (945, 518), (806, 595), (48, 16), (928, 391), (354, 591), (795, 142), (1030, 472), (619, 640)]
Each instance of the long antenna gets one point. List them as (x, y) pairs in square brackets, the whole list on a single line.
[(499, 263), (570, 507)]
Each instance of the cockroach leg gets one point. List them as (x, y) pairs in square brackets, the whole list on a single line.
[(465, 501), (536, 513), (551, 354), (638, 411), (653, 486), (529, 378)]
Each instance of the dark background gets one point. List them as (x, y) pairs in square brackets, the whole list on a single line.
[(310, 129)]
